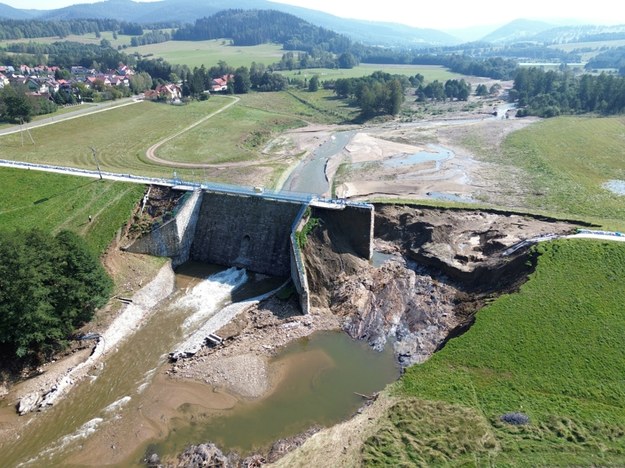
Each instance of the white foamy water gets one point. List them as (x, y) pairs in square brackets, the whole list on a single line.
[(82, 432), (211, 295), (124, 325), (148, 376), (219, 319), (116, 405)]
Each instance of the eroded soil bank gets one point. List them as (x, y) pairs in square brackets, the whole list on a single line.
[(440, 267)]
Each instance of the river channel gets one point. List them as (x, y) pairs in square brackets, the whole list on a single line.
[(128, 406)]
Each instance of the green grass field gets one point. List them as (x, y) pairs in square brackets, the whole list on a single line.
[(553, 351), (208, 53), (591, 48), (565, 161), (238, 134), (84, 39), (318, 107), (430, 72), (120, 136), (52, 202)]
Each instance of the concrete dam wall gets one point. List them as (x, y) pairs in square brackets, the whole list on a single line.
[(254, 232), (245, 231)]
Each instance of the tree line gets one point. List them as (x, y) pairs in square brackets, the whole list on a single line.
[(611, 58), (49, 286), (152, 37), (551, 93), (33, 28), (68, 53)]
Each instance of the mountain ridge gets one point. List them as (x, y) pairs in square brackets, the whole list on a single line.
[(187, 11)]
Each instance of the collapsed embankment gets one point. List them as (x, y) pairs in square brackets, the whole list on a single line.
[(440, 267)]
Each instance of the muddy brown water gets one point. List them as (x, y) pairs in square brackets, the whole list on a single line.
[(128, 407)]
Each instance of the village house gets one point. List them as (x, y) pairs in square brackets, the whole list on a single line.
[(220, 83), (169, 92)]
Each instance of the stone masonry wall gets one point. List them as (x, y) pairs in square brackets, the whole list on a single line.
[(245, 231)]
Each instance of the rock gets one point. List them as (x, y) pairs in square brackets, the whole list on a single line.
[(153, 461), (203, 455), (516, 419), (28, 403), (4, 390)]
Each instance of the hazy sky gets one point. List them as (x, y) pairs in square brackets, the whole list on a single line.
[(433, 14)]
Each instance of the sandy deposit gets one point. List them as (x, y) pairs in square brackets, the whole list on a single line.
[(241, 366)]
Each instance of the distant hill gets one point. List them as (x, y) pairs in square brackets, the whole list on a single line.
[(9, 12), (583, 33), (516, 31), (546, 33), (187, 11)]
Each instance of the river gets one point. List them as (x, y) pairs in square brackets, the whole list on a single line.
[(128, 406), (310, 175)]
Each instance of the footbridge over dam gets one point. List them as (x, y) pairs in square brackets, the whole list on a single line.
[(253, 229)]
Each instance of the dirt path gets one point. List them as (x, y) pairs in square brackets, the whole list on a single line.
[(151, 152)]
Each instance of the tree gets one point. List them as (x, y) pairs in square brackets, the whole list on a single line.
[(48, 287), (395, 98), (435, 90), (17, 107), (242, 81), (347, 60), (313, 84), (481, 90)]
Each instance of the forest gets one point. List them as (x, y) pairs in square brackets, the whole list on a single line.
[(551, 93), (29, 29)]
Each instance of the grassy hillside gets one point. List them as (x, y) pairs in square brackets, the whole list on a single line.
[(53, 202), (565, 161), (239, 134), (552, 352), (121, 137)]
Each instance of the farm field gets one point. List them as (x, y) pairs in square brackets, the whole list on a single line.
[(320, 107), (551, 352), (209, 53), (595, 47), (430, 72), (83, 38), (54, 202)]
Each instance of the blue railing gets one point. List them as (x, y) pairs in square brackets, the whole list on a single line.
[(282, 195)]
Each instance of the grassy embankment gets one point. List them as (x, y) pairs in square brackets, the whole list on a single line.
[(52, 202), (553, 352)]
